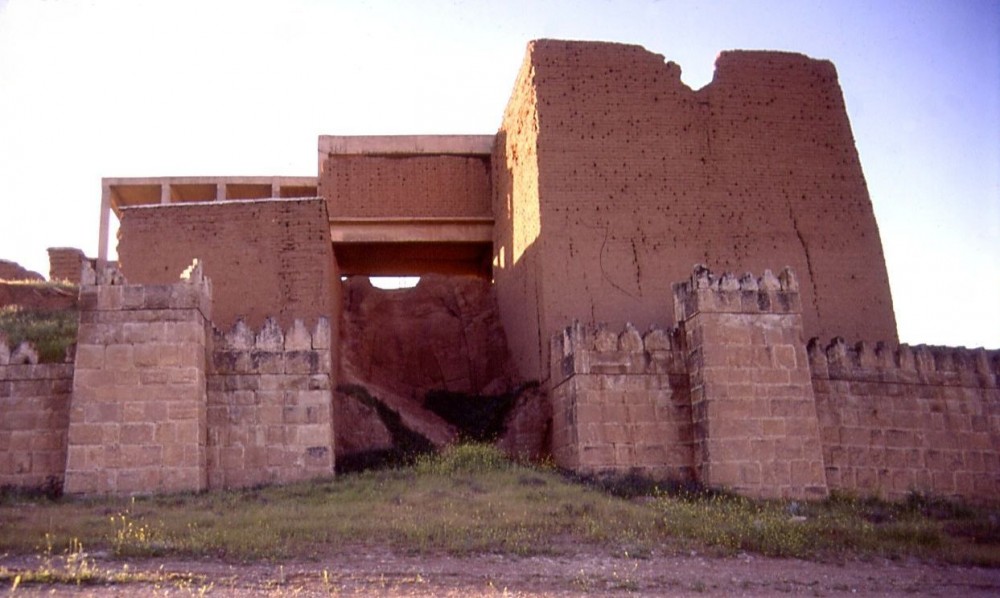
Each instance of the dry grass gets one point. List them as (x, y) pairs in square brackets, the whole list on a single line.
[(472, 500)]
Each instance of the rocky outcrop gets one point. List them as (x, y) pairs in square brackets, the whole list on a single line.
[(443, 334)]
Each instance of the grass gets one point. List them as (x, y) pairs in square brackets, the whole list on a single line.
[(76, 567), (51, 332), (471, 500)]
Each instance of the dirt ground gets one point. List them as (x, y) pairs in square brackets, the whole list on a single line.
[(383, 573)]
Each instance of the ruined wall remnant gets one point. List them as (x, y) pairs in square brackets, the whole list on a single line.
[(66, 264), (269, 408), (639, 177), (13, 271), (909, 419), (34, 417), (267, 258)]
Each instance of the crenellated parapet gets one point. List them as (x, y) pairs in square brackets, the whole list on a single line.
[(921, 364), (108, 290), (598, 349), (728, 293), (271, 350)]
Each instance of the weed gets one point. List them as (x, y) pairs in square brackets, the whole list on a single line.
[(51, 332), (472, 499), (76, 567), (464, 459), (133, 537)]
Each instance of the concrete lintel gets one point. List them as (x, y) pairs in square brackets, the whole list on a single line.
[(134, 191), (411, 230), (376, 145)]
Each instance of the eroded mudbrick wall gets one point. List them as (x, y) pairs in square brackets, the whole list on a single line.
[(137, 423), (905, 419), (267, 258), (66, 263), (621, 178), (362, 186), (516, 227), (269, 405), (621, 402), (34, 417), (14, 271)]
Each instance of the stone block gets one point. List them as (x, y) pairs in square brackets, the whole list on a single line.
[(301, 362)]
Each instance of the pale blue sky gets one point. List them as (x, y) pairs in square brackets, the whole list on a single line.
[(134, 88)]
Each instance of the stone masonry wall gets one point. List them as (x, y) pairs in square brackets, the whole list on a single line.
[(637, 177), (406, 186), (269, 405), (621, 402), (266, 258), (34, 417), (752, 403), (137, 423), (909, 419)]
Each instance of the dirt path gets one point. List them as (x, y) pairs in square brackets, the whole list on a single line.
[(382, 573)]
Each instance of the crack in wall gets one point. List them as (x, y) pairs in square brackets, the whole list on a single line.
[(809, 266)]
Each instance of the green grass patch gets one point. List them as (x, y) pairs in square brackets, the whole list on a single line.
[(471, 499), (51, 332)]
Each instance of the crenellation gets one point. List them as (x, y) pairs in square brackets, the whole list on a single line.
[(704, 291), (921, 364), (722, 389), (271, 338)]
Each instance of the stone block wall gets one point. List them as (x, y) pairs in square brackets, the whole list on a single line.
[(270, 405), (752, 403), (34, 417), (137, 423), (909, 419), (620, 402)]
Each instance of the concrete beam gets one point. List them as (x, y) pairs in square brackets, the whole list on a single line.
[(411, 230), (138, 191), (410, 145)]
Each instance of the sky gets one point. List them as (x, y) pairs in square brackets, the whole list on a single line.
[(118, 88)]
